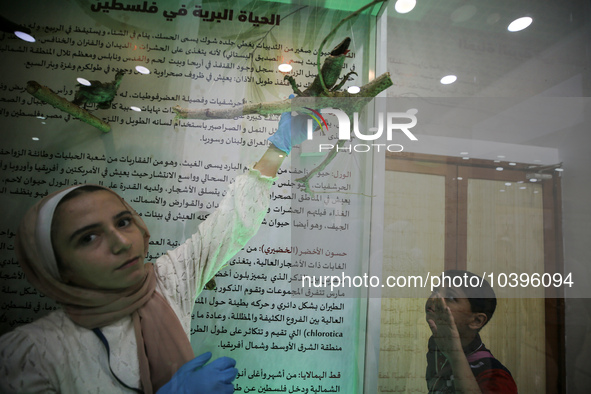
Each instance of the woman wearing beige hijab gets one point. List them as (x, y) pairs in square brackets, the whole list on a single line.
[(124, 324)]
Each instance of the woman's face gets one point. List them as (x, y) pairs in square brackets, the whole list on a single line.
[(97, 243)]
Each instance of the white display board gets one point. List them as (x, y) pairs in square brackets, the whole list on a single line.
[(174, 172)]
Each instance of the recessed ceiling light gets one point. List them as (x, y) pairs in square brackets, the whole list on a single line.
[(83, 81), (520, 24), (24, 36), (35, 138), (353, 89), (404, 6), (285, 68), (142, 70), (499, 168), (448, 79)]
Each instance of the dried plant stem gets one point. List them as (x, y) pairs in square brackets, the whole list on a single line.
[(368, 91), (48, 96)]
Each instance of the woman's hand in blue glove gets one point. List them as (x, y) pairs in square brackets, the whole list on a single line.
[(292, 131), (197, 378)]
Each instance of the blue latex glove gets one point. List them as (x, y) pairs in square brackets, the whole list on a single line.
[(292, 131), (195, 378)]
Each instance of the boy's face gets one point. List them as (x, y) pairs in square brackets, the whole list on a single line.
[(97, 243), (455, 299)]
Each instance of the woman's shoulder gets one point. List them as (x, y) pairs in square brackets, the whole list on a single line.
[(31, 353), (50, 329), (54, 319)]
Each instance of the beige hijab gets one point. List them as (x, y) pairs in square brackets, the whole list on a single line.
[(162, 344)]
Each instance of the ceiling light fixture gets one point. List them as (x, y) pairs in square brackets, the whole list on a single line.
[(83, 81), (24, 36), (448, 79), (142, 70), (285, 68), (520, 24), (353, 89), (405, 6)]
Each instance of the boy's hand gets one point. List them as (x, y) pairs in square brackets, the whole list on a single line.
[(443, 327)]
